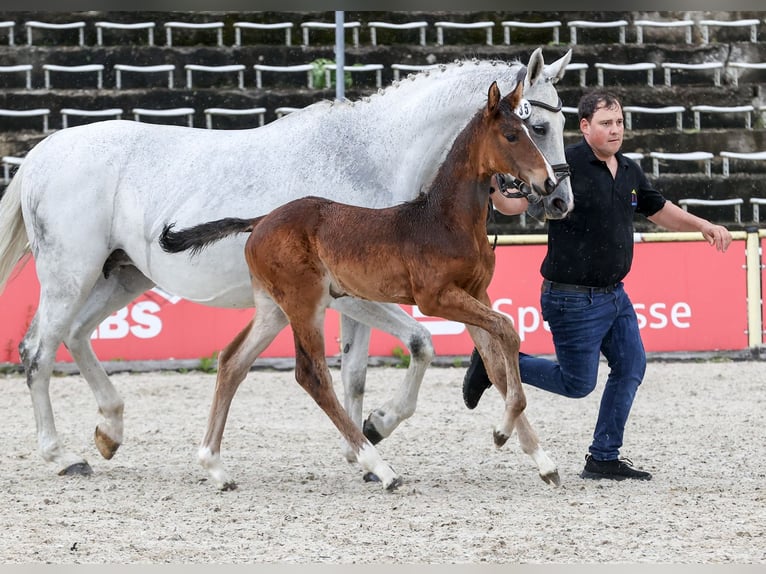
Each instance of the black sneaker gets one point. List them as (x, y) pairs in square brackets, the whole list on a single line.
[(618, 469), (475, 382)]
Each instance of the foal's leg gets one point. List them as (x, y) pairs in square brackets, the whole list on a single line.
[(528, 440), (392, 319), (234, 363), (108, 295), (313, 375)]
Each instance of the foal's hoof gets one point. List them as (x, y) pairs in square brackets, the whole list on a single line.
[(370, 477), (552, 478), (500, 438), (371, 432), (77, 469), (105, 444)]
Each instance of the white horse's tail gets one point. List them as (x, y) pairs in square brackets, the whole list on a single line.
[(14, 243)]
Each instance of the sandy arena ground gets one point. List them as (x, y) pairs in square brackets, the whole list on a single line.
[(697, 426)]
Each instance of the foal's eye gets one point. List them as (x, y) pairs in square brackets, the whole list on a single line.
[(511, 137)]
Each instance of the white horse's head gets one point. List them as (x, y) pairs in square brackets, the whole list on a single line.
[(546, 124)]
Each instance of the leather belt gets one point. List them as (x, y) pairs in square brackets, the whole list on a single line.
[(552, 285)]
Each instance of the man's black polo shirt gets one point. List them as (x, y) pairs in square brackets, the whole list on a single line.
[(593, 245)]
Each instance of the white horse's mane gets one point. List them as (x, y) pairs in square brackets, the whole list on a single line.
[(414, 79)]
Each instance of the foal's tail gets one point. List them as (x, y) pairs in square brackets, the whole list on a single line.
[(14, 243), (200, 236)]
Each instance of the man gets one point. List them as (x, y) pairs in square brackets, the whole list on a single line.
[(583, 299)]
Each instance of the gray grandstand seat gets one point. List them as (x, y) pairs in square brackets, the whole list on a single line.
[(238, 68), (9, 26), (737, 67), (165, 113), (102, 25), (26, 68), (694, 156), (353, 26), (580, 67), (726, 156), (83, 69), (751, 23), (756, 202), (170, 26), (29, 113), (641, 24), (210, 112), (736, 202), (647, 67), (120, 68), (420, 25), (555, 25), (746, 110), (36, 24), (114, 113), (630, 110), (716, 67), (575, 24), (301, 68), (9, 163), (441, 26), (330, 69), (240, 26)]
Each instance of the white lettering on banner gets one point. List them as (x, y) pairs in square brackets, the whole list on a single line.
[(658, 317), (142, 323), (528, 320)]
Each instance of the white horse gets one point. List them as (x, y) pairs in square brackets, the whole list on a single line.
[(89, 203)]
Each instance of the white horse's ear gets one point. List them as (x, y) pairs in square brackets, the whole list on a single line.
[(556, 70), (535, 67)]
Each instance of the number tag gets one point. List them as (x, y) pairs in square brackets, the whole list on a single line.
[(524, 109)]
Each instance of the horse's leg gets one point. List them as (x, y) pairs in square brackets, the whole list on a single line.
[(234, 362), (108, 295), (63, 291), (313, 375), (392, 319), (355, 345), (528, 440)]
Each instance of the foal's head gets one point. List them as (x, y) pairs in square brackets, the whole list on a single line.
[(507, 146)]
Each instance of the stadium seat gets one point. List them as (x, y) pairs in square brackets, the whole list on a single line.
[(238, 68), (716, 67), (353, 26), (441, 26), (165, 113), (746, 110), (9, 163), (329, 72), (240, 26), (756, 202), (307, 69), (421, 26), (736, 202), (582, 68), (210, 112), (8, 26), (630, 110), (508, 24), (695, 156), (641, 24), (726, 156), (647, 67), (284, 110), (35, 24), (84, 69), (26, 68), (170, 26), (30, 113), (737, 67), (120, 68), (585, 24), (101, 26), (113, 113), (751, 23)]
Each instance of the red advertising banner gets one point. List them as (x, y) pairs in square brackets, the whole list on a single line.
[(688, 297)]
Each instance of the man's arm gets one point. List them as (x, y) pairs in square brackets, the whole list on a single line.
[(673, 218)]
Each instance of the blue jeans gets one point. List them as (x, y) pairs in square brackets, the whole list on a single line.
[(583, 326)]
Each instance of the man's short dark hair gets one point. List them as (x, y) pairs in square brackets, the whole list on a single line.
[(594, 100)]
